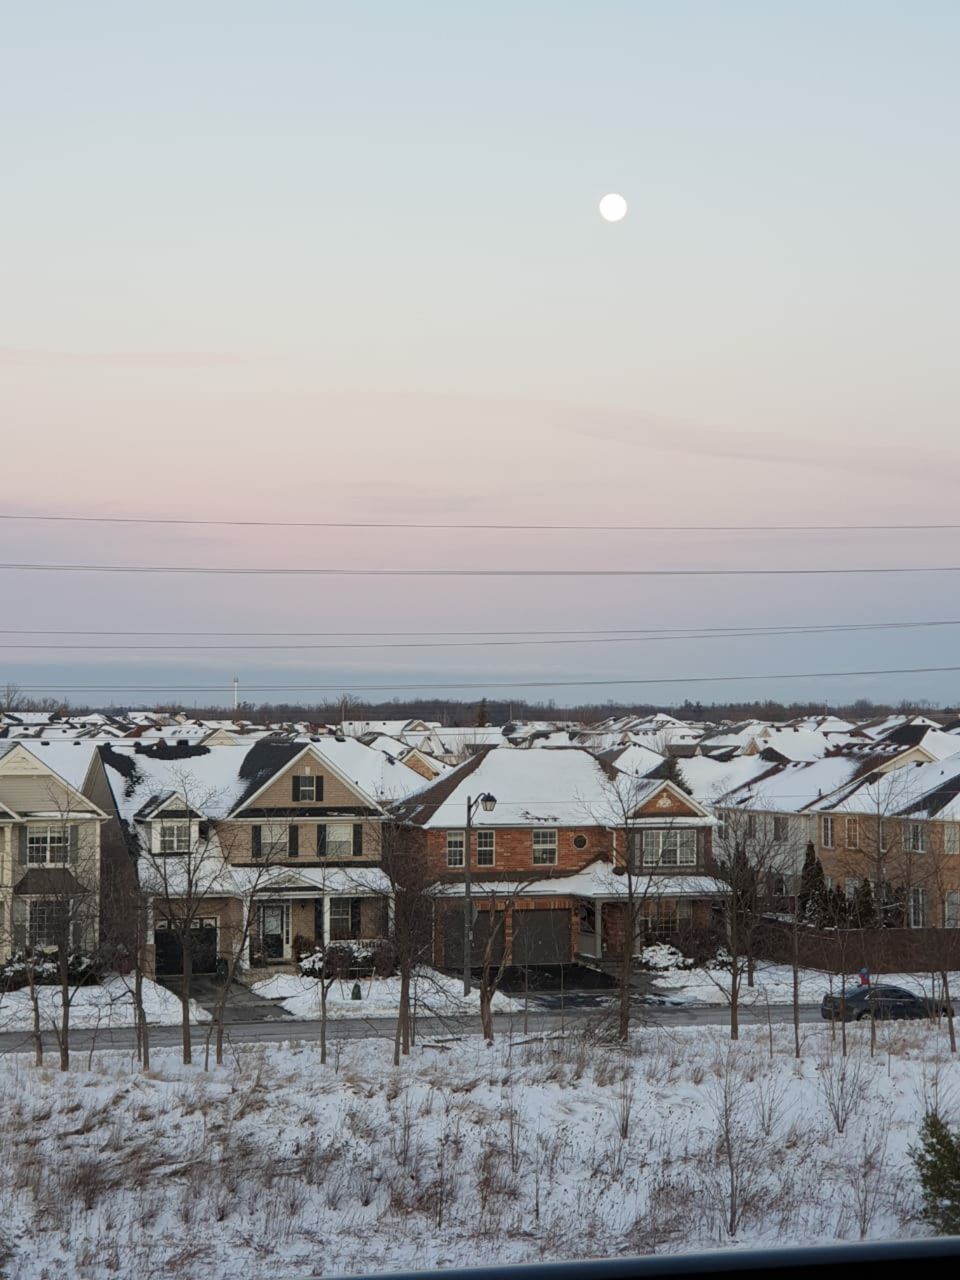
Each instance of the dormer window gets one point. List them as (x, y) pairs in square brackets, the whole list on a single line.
[(174, 837), (307, 786)]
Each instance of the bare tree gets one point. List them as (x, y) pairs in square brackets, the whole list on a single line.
[(413, 909), (755, 855)]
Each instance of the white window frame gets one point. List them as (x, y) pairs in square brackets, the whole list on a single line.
[(178, 844), (916, 841), (951, 839), (47, 905), (272, 844), (850, 886), (310, 780), (781, 828), (917, 908), (826, 830), (45, 838), (951, 909), (486, 848), (339, 845), (671, 847), (851, 826), (544, 847), (456, 848)]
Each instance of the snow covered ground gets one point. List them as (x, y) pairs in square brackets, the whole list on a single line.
[(273, 1166), (108, 1005), (772, 982), (433, 993)]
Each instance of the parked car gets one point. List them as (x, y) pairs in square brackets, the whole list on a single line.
[(880, 1001)]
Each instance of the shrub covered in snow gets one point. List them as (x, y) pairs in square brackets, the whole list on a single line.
[(15, 972), (349, 960)]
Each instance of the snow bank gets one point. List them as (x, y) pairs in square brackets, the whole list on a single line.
[(108, 1005), (433, 993)]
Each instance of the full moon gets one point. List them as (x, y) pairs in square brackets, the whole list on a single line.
[(613, 207)]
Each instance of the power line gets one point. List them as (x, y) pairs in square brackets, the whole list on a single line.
[(298, 572), (760, 628), (478, 526), (345, 686), (659, 637)]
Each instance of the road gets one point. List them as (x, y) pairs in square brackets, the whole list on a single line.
[(539, 1021)]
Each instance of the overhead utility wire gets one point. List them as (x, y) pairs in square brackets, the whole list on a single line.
[(759, 628), (451, 525), (212, 570), (767, 632)]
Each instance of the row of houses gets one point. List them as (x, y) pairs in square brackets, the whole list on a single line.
[(284, 841)]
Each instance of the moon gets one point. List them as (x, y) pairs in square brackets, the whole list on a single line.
[(613, 207)]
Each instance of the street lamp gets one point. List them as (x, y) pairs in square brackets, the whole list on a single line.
[(487, 803)]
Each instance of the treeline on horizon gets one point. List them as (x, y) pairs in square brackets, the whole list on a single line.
[(489, 711)]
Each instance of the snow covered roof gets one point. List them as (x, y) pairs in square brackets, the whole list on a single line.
[(793, 787), (563, 787)]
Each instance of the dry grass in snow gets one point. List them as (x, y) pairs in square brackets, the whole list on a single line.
[(273, 1166)]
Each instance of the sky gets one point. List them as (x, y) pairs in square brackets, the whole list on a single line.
[(343, 262)]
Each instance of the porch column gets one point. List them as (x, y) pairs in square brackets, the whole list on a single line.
[(598, 929), (391, 908), (326, 920)]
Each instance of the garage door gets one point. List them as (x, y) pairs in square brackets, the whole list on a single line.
[(541, 937), (203, 949), (453, 938)]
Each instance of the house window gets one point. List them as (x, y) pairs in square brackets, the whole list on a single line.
[(916, 837), (674, 847), (829, 882), (851, 833), (751, 826), (951, 909), (275, 838), (304, 787), (918, 909), (781, 829), (339, 840), (174, 837), (344, 919), (544, 848), (455, 848), (882, 835), (826, 831), (47, 922), (48, 844), (662, 919), (485, 848), (951, 838), (850, 886)]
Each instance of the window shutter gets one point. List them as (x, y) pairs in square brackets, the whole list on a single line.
[(355, 917), (296, 787), (318, 788), (358, 839), (77, 939), (293, 842), (22, 846), (74, 837), (255, 842), (321, 841)]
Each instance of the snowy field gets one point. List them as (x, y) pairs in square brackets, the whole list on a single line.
[(274, 1166), (772, 982), (432, 994), (108, 1005)]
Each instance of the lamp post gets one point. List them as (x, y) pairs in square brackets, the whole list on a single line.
[(488, 803)]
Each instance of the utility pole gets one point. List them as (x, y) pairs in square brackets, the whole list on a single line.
[(236, 692)]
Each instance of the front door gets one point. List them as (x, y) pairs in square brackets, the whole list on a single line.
[(272, 931)]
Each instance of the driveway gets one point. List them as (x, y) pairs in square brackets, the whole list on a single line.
[(243, 1005)]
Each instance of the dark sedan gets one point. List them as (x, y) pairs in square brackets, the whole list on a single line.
[(879, 1001)]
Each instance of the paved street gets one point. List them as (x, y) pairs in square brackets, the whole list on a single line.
[(539, 1021)]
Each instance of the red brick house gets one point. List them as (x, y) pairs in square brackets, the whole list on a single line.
[(568, 839)]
